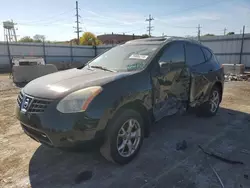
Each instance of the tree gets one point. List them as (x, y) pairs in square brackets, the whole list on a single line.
[(89, 38), (26, 39), (230, 33), (209, 34), (39, 38), (144, 36), (73, 41)]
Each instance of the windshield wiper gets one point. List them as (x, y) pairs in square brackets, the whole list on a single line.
[(102, 68)]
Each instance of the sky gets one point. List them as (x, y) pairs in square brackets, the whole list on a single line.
[(55, 19)]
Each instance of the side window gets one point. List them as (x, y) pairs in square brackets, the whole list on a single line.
[(173, 53), (207, 53), (194, 55)]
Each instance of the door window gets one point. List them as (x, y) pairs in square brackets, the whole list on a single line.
[(173, 53), (194, 55)]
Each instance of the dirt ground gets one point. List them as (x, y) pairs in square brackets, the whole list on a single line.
[(26, 163)]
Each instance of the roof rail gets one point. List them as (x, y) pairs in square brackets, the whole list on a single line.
[(165, 38), (182, 38)]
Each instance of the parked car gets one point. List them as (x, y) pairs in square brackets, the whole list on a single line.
[(117, 97)]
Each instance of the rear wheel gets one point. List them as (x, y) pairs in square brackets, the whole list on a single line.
[(124, 137), (210, 107)]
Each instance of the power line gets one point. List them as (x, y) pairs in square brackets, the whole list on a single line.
[(77, 24), (177, 26), (150, 28), (48, 18), (134, 30), (83, 25), (199, 6), (55, 22)]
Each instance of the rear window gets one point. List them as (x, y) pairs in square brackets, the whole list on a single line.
[(194, 55), (207, 53)]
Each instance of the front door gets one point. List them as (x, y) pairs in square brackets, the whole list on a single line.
[(171, 81)]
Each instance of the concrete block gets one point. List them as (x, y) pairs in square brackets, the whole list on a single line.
[(66, 65), (233, 68), (28, 73)]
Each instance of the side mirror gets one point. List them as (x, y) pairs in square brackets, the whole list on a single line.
[(164, 65)]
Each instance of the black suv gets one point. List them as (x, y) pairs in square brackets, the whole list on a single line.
[(115, 98)]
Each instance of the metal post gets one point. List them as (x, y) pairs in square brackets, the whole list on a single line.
[(94, 42), (242, 44), (95, 50), (199, 32), (9, 55), (71, 52), (44, 52)]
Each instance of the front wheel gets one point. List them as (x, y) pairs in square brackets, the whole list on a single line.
[(124, 137), (210, 107)]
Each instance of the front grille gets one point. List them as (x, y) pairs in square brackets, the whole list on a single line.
[(38, 105), (36, 135), (20, 99)]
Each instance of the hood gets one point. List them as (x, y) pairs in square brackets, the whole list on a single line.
[(59, 84)]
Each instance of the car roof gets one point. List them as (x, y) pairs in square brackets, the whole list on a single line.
[(163, 40)]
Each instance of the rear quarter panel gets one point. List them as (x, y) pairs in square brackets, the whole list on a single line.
[(208, 75)]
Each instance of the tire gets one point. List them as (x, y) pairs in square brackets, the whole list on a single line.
[(119, 125), (210, 107)]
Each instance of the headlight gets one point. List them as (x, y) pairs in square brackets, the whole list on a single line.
[(78, 101)]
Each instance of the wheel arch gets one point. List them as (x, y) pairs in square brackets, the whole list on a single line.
[(219, 85), (138, 106)]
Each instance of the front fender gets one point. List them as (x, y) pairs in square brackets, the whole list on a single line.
[(115, 95)]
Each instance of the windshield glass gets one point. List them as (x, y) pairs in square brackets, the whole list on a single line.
[(125, 57)]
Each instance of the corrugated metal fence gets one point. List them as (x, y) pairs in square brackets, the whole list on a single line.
[(60, 55), (226, 48)]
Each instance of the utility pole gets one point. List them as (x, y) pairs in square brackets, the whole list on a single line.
[(150, 28), (225, 30), (242, 42), (78, 29), (199, 32)]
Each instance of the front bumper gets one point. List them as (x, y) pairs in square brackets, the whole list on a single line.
[(56, 129)]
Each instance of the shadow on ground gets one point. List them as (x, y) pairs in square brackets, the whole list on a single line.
[(21, 84), (158, 164)]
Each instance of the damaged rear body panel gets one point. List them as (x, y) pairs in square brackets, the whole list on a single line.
[(204, 76), (183, 76)]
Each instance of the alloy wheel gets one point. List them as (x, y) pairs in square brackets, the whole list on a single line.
[(214, 101), (128, 138)]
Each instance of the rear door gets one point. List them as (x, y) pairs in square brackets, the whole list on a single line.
[(171, 80), (201, 71)]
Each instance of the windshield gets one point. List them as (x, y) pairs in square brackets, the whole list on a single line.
[(125, 57)]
